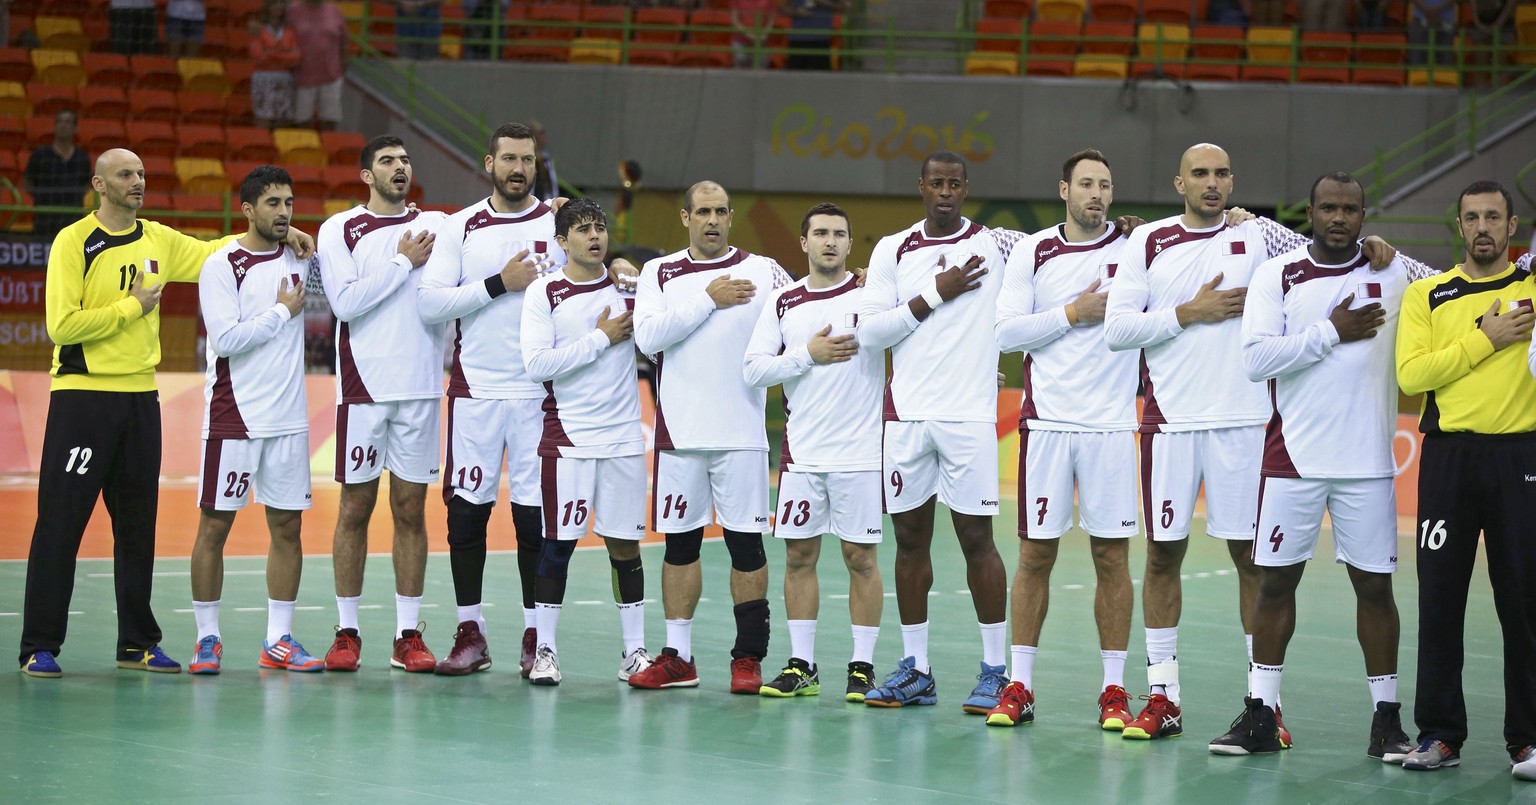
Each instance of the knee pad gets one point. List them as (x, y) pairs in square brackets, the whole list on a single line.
[(528, 523), (555, 558), (683, 549), (466, 522), (746, 550)]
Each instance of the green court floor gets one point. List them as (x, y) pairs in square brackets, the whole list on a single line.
[(103, 735)]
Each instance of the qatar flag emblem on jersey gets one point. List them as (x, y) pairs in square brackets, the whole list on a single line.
[(1237, 247), (152, 266), (1368, 290)]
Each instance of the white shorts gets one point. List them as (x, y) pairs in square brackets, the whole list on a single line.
[(607, 494), (956, 460), (843, 503), (1104, 466), (276, 468), (318, 102), (1174, 464), (689, 484), (483, 433), (402, 436), (1363, 511)]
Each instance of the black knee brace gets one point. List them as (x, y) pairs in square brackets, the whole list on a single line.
[(555, 559), (528, 523), (746, 549), (683, 548), (466, 522)]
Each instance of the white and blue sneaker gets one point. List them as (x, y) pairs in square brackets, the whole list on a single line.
[(989, 686), (905, 686)]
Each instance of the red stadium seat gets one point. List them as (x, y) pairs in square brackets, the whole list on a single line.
[(549, 38), (103, 103), (658, 45), (15, 65), (709, 40), (107, 69), (205, 108), (1123, 32), (1175, 12), (153, 138), (1113, 10), (997, 48), (1052, 48), (202, 141), (97, 135), (250, 143), (154, 104), (341, 181), (308, 181), (50, 100), (1007, 9), (343, 147), (1210, 43), (154, 72)]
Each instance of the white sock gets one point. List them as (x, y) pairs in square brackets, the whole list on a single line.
[(632, 626), (531, 617), (1248, 638), (206, 613), (993, 640), (472, 613), (1114, 667), (1023, 665), (346, 611), (1266, 683), (680, 637), (914, 641), (1383, 688), (547, 621), (802, 641), (1162, 646), (279, 619), (864, 643), (407, 612)]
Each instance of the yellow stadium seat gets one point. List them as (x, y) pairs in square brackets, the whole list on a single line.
[(202, 75), (1099, 65), (1441, 77), (60, 68), (338, 206), (992, 63), (1160, 40), (1525, 33), (593, 50), (61, 33), (201, 175), (1271, 45), (13, 101), (300, 147), (1060, 10)]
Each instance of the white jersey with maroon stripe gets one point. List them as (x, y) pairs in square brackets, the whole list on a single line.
[(255, 376), (462, 280), (834, 409), (384, 350), (945, 367), (1334, 405), (704, 403), (1072, 381), (591, 404), (1193, 378)]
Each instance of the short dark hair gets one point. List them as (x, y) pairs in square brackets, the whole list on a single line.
[(68, 110), (376, 145), (1335, 176), (700, 185), (1070, 165), (1482, 186), (824, 208), (576, 212), (509, 131), (259, 179), (946, 158)]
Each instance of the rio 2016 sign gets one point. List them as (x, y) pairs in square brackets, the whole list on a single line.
[(801, 132)]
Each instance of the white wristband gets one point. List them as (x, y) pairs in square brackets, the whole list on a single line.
[(932, 297)]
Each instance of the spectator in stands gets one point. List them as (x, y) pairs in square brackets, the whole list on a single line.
[(1265, 12), (1432, 20), (275, 51), (546, 184), (133, 24), (1227, 12), (1323, 15), (322, 35), (184, 27), (5, 23), (752, 19), (57, 175), (418, 28), (1371, 14), (477, 27), (811, 19)]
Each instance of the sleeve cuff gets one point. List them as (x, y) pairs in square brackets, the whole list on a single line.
[(1477, 345), (401, 261), (494, 286), (130, 308), (282, 311)]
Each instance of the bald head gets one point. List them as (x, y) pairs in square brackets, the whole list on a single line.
[(1202, 152), (108, 162), (119, 181), (701, 187), (1205, 182)]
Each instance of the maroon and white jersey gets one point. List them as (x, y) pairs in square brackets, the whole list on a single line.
[(384, 350), (591, 403), (945, 367), (462, 281), (1072, 381), (1192, 379), (703, 401), (1333, 405), (255, 376), (834, 409)]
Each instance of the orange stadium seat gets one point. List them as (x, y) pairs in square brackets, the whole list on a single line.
[(13, 133), (57, 67), (158, 170), (1380, 59), (157, 203), (549, 38), (63, 33), (1113, 10), (103, 103), (998, 44), (709, 29), (237, 169), (201, 175), (39, 130), (381, 27), (251, 143), (341, 181), (1060, 10), (238, 111), (308, 181), (604, 22), (241, 12), (10, 167), (1007, 9), (50, 100), (1269, 48), (299, 147), (107, 69), (15, 65), (203, 141), (343, 147), (1120, 37), (152, 138), (200, 223), (1052, 48), (309, 210), (1176, 12), (154, 104), (238, 71), (1320, 48), (657, 45), (98, 135), (98, 29), (215, 15), (154, 72), (13, 100), (205, 108)]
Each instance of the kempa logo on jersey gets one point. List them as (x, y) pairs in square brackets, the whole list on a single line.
[(239, 264), (1046, 253), (557, 296), (1445, 293), (788, 300), (95, 246), (1127, 523), (986, 502), (872, 532), (357, 230), (1159, 243)]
